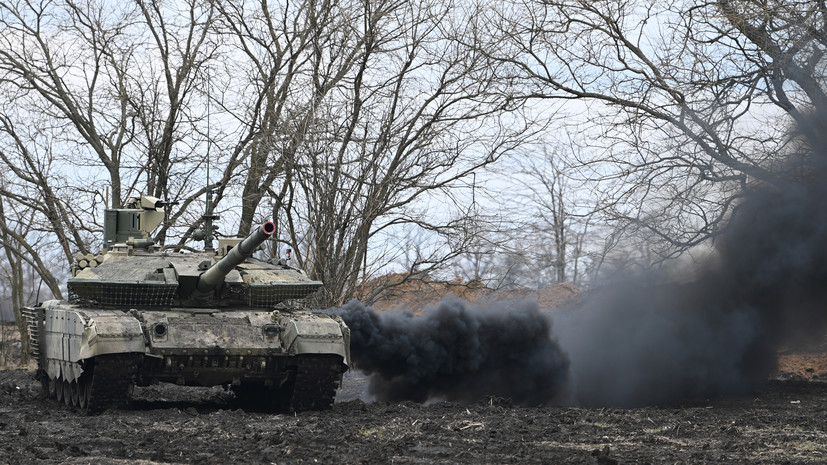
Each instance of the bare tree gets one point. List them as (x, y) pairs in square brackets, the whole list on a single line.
[(278, 43), (94, 98), (115, 84), (358, 120), (548, 191), (365, 113), (687, 100), (13, 234), (545, 234)]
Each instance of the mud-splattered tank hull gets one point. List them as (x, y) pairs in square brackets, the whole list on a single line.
[(275, 360), (200, 319)]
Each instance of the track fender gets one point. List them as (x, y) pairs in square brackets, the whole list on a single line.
[(316, 334), (114, 334)]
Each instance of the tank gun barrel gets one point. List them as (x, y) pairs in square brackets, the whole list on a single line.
[(214, 276)]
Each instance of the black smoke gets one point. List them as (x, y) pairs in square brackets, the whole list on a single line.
[(458, 352), (651, 340)]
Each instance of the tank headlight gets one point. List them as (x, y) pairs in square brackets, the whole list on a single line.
[(160, 329)]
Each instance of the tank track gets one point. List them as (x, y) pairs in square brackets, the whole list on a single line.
[(311, 386), (111, 382), (316, 381), (106, 382)]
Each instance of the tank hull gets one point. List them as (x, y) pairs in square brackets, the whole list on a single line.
[(255, 352)]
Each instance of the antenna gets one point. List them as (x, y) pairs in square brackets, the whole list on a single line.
[(209, 139), (209, 214)]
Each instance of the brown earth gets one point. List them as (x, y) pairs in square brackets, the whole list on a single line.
[(804, 365), (419, 293), (782, 422)]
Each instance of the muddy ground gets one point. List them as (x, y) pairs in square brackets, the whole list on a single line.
[(783, 422)]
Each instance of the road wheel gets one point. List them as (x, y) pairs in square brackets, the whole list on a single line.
[(59, 389), (83, 392), (67, 392), (74, 388)]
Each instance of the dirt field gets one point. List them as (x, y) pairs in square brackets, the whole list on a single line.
[(784, 422)]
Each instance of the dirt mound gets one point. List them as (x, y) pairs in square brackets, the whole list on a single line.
[(399, 291), (808, 363)]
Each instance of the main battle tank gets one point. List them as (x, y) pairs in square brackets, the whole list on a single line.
[(138, 314)]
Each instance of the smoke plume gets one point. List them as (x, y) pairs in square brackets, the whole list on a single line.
[(641, 340), (454, 351), (649, 340)]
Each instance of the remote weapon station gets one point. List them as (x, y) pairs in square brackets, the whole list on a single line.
[(138, 314)]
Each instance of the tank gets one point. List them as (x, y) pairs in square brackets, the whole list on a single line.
[(139, 314)]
